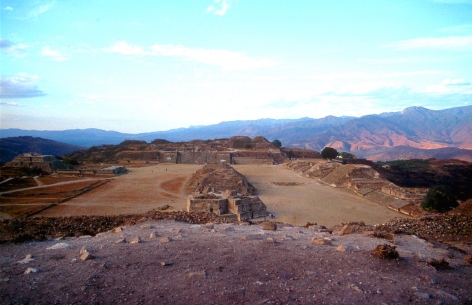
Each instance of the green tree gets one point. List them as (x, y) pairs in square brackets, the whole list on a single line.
[(346, 155), (439, 199), (329, 153), (290, 154), (277, 143)]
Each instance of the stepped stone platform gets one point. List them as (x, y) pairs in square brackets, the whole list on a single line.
[(47, 163), (220, 189)]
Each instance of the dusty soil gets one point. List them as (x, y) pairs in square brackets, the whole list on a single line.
[(141, 190), (231, 264), (21, 202), (291, 197), (297, 200)]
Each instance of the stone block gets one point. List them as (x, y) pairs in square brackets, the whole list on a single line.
[(270, 226)]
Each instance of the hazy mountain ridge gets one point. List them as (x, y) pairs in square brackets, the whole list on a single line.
[(11, 147), (413, 128)]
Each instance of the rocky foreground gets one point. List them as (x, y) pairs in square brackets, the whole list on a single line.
[(159, 259)]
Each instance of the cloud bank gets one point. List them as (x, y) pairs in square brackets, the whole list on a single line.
[(9, 48), (459, 43), (19, 86), (227, 60)]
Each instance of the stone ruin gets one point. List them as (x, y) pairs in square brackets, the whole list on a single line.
[(217, 178), (235, 150), (221, 190), (47, 163), (229, 202), (363, 180), (101, 171)]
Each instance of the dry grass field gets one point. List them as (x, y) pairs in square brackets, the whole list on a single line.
[(292, 198)]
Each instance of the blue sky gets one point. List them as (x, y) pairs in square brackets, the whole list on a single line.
[(141, 66)]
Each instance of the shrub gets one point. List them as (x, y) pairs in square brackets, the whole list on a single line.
[(277, 143), (329, 153), (439, 199)]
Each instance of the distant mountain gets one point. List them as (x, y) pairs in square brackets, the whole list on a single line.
[(407, 152), (269, 128), (414, 129), (11, 147), (81, 137)]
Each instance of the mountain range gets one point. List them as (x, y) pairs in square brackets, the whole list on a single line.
[(415, 131)]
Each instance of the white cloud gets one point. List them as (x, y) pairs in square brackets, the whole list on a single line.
[(455, 82), (10, 48), (124, 48), (227, 60), (53, 54), (11, 104), (462, 29), (8, 8), (461, 43), (40, 10), (220, 8), (458, 87), (21, 85)]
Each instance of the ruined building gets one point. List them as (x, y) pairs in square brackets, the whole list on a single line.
[(235, 150), (46, 163), (220, 189), (229, 202)]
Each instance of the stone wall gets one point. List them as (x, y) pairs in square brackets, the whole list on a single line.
[(245, 160), (204, 157), (247, 207), (206, 203), (243, 207), (169, 157), (138, 156), (405, 193)]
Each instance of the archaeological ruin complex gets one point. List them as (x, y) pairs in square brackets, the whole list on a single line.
[(235, 150)]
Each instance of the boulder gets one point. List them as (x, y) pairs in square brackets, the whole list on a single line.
[(269, 226), (31, 270), (321, 241), (86, 256), (165, 240), (135, 240), (345, 248)]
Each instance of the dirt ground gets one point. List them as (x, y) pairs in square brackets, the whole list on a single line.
[(155, 261), (305, 200), (139, 191), (231, 264), (297, 200)]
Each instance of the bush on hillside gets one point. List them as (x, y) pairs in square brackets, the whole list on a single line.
[(277, 143), (329, 153), (439, 199)]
